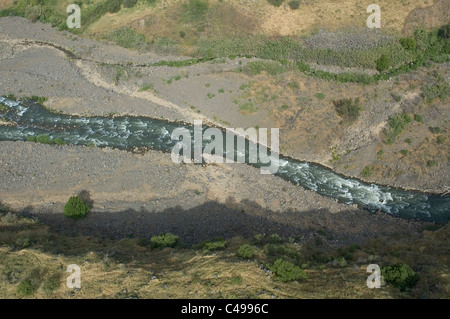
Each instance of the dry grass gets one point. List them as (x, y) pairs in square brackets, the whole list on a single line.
[(124, 269)]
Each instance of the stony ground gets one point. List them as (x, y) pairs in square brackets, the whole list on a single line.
[(143, 194)]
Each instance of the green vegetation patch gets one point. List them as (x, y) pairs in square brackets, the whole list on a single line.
[(164, 240), (397, 124), (286, 271), (270, 67), (76, 208), (127, 38), (400, 276), (246, 251), (45, 139), (368, 170), (348, 108)]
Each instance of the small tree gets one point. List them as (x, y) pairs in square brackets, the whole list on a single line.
[(75, 208), (400, 276), (383, 63)]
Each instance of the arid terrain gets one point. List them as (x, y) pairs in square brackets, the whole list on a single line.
[(135, 195)]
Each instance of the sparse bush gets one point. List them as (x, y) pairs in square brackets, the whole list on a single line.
[(348, 108), (441, 139), (368, 170), (431, 163), (75, 208), (293, 85), (404, 152), (286, 271), (400, 276), (397, 124), (396, 97), (164, 240), (439, 89), (246, 251), (383, 63), (320, 95)]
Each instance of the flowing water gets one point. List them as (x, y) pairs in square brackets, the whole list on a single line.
[(127, 132)]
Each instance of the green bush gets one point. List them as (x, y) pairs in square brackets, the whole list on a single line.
[(26, 288), (348, 108), (444, 31), (383, 63), (164, 240), (294, 4), (75, 208), (408, 43), (113, 6), (246, 251), (368, 170), (404, 152), (129, 3), (286, 271), (418, 118), (276, 3), (218, 244), (397, 124), (431, 163), (400, 276)]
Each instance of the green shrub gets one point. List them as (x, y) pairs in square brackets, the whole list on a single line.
[(431, 163), (26, 288), (418, 118), (113, 6), (397, 124), (75, 208), (294, 4), (246, 251), (320, 95), (368, 170), (404, 152), (408, 43), (286, 271), (400, 276), (182, 34), (129, 3), (218, 244), (383, 63), (348, 108), (164, 240), (276, 3)]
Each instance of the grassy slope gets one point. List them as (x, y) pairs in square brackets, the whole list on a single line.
[(124, 269)]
